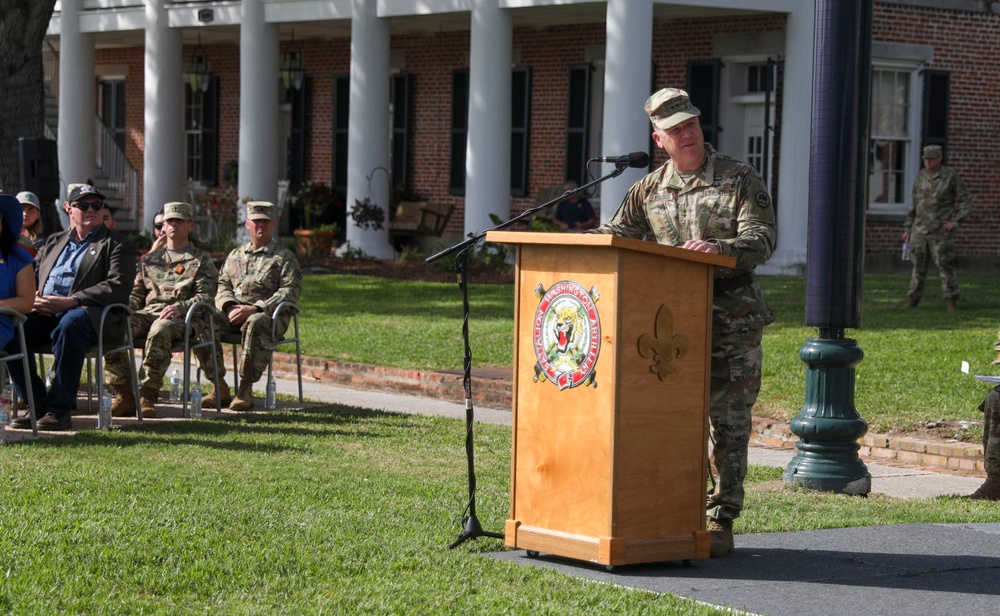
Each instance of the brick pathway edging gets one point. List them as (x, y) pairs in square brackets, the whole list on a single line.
[(492, 389)]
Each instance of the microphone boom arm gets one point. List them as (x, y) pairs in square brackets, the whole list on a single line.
[(474, 238)]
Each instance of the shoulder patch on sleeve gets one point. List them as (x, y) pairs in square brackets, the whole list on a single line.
[(763, 199)]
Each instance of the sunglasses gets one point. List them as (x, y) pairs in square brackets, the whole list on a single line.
[(83, 206), (157, 225)]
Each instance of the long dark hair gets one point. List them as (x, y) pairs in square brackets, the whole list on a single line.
[(7, 241)]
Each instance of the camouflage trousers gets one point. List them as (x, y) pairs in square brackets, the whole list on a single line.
[(939, 247), (991, 430), (257, 343), (735, 383), (160, 335)]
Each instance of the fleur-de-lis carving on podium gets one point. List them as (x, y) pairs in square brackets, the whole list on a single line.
[(664, 346)]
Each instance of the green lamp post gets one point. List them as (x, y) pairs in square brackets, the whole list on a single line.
[(828, 426)]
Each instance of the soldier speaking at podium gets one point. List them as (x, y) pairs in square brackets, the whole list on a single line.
[(706, 201)]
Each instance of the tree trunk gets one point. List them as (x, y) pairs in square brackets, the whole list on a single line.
[(22, 107)]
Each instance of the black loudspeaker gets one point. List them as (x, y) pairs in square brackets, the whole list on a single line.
[(40, 168)]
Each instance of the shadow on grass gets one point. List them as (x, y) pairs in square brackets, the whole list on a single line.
[(321, 421)]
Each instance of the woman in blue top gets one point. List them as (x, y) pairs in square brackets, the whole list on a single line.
[(17, 279)]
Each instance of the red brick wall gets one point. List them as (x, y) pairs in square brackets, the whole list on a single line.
[(958, 38), (965, 44)]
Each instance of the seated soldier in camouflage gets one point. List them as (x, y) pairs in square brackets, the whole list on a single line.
[(255, 278), (168, 282)]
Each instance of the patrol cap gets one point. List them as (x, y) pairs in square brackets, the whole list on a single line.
[(669, 107), (178, 209), (260, 210), (932, 151), (29, 198), (78, 191), (13, 214)]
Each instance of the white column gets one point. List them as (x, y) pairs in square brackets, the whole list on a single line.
[(76, 91), (259, 149), (628, 61), (368, 133), (487, 163), (793, 184), (163, 168)]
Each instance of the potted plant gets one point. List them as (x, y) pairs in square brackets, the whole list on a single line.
[(367, 214), (316, 206), (219, 206)]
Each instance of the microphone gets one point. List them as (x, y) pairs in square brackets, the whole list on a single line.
[(636, 160)]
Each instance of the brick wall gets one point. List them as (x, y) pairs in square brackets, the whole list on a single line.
[(964, 43), (958, 38)]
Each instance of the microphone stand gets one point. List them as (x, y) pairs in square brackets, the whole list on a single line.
[(472, 527)]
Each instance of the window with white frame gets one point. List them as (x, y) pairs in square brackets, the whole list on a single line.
[(895, 134)]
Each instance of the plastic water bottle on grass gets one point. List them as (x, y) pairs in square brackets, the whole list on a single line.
[(6, 406), (196, 400), (175, 385), (104, 420), (271, 399)]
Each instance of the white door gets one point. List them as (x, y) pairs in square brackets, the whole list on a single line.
[(753, 138)]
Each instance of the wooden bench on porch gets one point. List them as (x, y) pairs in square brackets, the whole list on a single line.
[(419, 218)]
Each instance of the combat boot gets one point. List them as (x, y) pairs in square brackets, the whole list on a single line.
[(148, 398), (244, 397), (952, 304), (227, 396), (990, 490), (123, 404), (721, 533)]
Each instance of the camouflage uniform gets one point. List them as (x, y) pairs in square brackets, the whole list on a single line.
[(935, 198), (991, 431), (726, 202), (262, 277), (168, 278)]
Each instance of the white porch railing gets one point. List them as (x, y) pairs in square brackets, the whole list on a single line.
[(119, 174)]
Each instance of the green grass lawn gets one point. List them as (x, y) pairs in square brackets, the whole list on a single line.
[(910, 372), (325, 510)]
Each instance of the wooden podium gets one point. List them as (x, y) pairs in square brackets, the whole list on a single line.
[(612, 341)]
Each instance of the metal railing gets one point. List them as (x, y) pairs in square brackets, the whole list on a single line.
[(120, 175), (50, 76)]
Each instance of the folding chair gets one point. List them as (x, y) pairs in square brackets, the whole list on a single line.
[(98, 355), (18, 320), (236, 338)]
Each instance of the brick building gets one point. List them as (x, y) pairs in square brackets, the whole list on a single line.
[(483, 104)]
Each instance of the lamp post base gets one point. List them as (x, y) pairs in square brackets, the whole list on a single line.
[(828, 426)]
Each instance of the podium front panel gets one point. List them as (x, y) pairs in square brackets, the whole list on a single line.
[(564, 431), (611, 377)]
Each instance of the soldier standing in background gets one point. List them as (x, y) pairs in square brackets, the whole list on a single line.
[(255, 278), (940, 201), (169, 281), (709, 202)]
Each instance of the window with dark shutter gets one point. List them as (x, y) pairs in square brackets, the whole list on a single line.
[(459, 129), (703, 88), (520, 114), (341, 121), (578, 122), (937, 86)]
